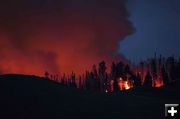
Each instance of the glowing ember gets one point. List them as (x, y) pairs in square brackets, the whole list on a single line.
[(111, 88)]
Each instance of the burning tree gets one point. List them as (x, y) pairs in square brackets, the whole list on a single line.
[(155, 72)]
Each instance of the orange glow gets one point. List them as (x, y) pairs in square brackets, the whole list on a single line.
[(125, 85), (62, 40), (76, 50), (159, 82), (111, 88)]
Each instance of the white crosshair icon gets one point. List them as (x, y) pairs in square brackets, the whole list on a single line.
[(172, 111)]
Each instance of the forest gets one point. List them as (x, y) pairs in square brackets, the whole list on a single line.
[(154, 72)]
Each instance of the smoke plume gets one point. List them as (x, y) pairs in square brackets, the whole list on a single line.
[(60, 36)]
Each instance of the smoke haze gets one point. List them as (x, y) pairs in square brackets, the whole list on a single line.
[(60, 36)]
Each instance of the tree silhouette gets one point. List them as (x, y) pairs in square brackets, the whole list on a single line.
[(46, 74), (102, 75), (148, 80), (148, 73)]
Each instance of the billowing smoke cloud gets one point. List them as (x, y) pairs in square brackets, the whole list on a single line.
[(60, 36)]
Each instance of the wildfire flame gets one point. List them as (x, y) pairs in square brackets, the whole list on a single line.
[(159, 82), (125, 84)]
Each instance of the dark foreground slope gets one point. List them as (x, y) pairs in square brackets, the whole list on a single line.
[(30, 97)]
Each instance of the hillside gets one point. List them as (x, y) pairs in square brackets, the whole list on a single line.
[(30, 97)]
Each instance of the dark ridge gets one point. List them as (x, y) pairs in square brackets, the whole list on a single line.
[(31, 97)]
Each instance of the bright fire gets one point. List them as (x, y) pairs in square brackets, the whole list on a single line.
[(159, 82), (125, 84)]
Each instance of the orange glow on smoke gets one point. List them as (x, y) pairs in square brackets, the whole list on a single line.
[(71, 38)]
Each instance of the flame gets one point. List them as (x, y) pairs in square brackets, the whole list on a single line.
[(159, 82), (125, 84)]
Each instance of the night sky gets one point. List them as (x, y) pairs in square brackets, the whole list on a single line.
[(64, 35), (157, 24)]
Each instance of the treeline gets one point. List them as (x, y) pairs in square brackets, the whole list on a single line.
[(155, 72)]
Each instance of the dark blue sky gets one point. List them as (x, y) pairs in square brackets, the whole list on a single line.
[(157, 24)]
